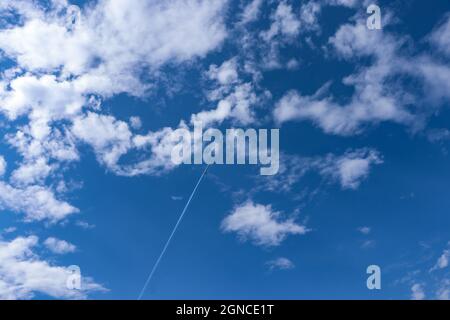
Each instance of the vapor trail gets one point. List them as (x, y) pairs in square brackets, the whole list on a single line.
[(171, 235)]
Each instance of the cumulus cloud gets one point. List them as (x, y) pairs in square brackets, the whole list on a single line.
[(378, 94), (179, 30), (68, 57), (351, 168), (236, 106), (109, 137), (158, 145), (224, 74), (135, 122), (288, 20), (58, 145), (42, 98), (59, 246), (68, 61), (260, 224), (23, 274), (235, 99), (40, 156), (36, 202), (284, 22), (284, 29), (31, 172)]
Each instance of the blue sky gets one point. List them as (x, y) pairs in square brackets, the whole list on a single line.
[(90, 91)]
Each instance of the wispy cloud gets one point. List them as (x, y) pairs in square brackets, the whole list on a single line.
[(364, 230), (280, 263), (417, 292)]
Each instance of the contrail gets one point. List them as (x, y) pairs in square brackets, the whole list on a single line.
[(171, 235)]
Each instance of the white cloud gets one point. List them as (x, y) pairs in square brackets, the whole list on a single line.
[(288, 19), (438, 135), (84, 225), (35, 42), (23, 274), (109, 137), (179, 29), (292, 64), (368, 244), (117, 33), (159, 146), (309, 12), (36, 202), (9, 230), (43, 99), (368, 106), (251, 12), (292, 169), (218, 115), (54, 147), (260, 224), (31, 172), (443, 292), (417, 292), (377, 96), (284, 29), (352, 40), (235, 99), (349, 169), (237, 107), (436, 78), (135, 122), (280, 263), (225, 74), (67, 58), (284, 23), (443, 261), (441, 36), (59, 246), (25, 8), (352, 168), (364, 230), (3, 165), (58, 145)]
